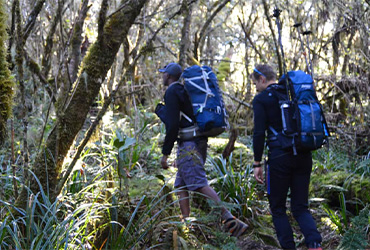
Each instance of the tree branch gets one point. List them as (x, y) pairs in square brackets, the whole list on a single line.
[(199, 39), (102, 17), (76, 40), (71, 119), (31, 20), (247, 35), (236, 99), (45, 62)]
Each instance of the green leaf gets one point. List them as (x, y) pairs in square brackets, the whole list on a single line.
[(127, 143)]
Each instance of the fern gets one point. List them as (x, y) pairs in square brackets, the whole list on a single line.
[(356, 236)]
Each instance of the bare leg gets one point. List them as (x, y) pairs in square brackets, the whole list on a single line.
[(184, 203), (211, 194)]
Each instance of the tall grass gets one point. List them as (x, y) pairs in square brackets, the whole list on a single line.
[(46, 225), (74, 220), (236, 187)]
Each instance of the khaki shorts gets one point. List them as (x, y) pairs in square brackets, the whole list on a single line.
[(191, 156)]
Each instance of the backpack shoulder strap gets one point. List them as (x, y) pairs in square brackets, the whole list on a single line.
[(276, 90), (182, 114)]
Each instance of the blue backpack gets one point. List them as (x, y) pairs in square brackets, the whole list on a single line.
[(208, 106), (304, 124)]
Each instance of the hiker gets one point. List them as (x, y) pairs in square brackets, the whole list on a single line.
[(192, 153), (284, 170)]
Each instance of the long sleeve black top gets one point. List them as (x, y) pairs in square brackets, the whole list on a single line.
[(267, 113), (176, 99)]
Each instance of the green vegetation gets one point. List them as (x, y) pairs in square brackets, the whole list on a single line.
[(116, 198), (116, 195)]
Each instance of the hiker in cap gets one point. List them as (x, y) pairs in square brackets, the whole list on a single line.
[(192, 153), (284, 170)]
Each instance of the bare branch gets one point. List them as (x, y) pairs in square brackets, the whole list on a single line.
[(248, 37), (45, 62), (31, 20), (202, 33)]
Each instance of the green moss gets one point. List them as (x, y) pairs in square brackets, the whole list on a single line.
[(6, 83), (242, 155), (330, 185), (144, 185), (223, 71)]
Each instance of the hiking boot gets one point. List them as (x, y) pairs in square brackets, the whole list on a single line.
[(235, 227)]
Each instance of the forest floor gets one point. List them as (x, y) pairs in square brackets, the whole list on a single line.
[(331, 238), (206, 232)]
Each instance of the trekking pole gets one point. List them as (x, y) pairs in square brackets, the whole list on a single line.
[(307, 33), (277, 15), (297, 26)]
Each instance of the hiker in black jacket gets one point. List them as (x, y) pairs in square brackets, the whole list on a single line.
[(284, 170), (191, 154)]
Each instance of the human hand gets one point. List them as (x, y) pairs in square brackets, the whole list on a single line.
[(164, 162), (258, 173)]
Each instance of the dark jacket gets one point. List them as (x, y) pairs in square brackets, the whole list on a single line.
[(267, 113), (176, 99)]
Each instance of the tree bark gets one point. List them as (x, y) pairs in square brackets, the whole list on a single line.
[(185, 32), (101, 55), (69, 69)]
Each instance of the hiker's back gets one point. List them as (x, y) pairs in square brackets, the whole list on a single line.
[(177, 90), (267, 103)]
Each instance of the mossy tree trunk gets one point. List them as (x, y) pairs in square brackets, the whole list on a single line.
[(6, 84), (185, 32), (71, 118)]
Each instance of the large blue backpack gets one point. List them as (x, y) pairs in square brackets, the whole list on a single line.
[(304, 125), (208, 106)]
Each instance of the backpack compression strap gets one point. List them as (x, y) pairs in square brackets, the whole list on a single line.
[(206, 90)]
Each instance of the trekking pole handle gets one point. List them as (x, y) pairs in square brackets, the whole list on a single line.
[(276, 12), (298, 27)]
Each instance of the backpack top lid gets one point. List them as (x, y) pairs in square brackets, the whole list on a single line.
[(302, 84), (196, 70), (297, 77)]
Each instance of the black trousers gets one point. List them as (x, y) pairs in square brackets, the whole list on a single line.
[(287, 171)]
